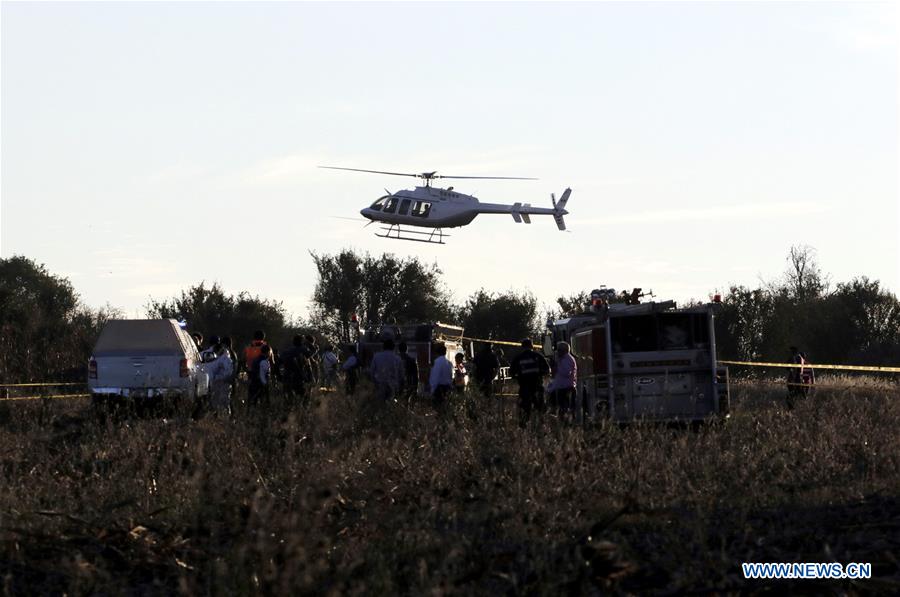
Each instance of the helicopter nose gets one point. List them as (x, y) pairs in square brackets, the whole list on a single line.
[(365, 213)]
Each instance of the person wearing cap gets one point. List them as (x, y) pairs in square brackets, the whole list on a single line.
[(565, 379), (529, 368)]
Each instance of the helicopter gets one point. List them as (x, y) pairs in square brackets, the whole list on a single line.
[(436, 208)]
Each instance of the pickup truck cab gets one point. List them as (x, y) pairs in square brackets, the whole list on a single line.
[(144, 359)]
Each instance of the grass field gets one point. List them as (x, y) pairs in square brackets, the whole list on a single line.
[(345, 497)]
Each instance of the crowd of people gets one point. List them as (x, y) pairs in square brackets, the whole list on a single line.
[(394, 374)]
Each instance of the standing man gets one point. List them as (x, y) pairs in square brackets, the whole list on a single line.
[(387, 372), (410, 372), (460, 374), (330, 367), (254, 349), (795, 377), (232, 379), (529, 368), (440, 382), (260, 377), (486, 367), (351, 371), (220, 368), (565, 380), (312, 357), (293, 368)]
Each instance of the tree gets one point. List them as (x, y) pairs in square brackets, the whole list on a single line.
[(377, 290), (209, 310), (570, 304), (505, 316), (804, 279), (867, 325), (742, 323), (46, 334)]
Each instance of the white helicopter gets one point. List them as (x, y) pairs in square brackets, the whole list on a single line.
[(435, 208)]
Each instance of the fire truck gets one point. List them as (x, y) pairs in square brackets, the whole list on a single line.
[(421, 340), (650, 361)]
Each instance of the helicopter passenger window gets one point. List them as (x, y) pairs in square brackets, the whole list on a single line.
[(404, 207), (390, 206), (421, 209)]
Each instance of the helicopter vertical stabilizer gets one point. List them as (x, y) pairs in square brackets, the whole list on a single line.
[(559, 208)]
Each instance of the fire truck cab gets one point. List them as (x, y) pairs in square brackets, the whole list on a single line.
[(648, 361)]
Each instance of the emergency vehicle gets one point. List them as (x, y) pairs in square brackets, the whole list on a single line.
[(421, 340), (650, 361)]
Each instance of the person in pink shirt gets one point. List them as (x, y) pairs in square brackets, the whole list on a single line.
[(564, 379)]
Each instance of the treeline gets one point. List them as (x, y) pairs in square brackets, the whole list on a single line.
[(855, 322), (47, 333)]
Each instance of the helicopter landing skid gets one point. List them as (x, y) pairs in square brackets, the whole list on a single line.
[(436, 236)]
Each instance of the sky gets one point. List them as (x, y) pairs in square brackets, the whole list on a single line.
[(146, 147)]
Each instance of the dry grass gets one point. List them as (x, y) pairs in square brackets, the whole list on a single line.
[(346, 497)]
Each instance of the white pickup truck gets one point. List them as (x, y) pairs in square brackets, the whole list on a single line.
[(144, 359)]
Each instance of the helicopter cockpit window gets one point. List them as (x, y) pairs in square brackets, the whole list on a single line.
[(421, 209), (379, 204), (390, 205)]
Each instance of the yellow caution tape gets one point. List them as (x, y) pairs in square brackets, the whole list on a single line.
[(32, 385), (815, 366), (11, 398), (502, 342)]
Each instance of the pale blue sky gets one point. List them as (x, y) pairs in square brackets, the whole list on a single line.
[(149, 146)]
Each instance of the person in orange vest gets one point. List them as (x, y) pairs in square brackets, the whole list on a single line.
[(254, 349), (795, 380)]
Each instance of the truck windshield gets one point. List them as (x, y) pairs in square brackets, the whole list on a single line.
[(664, 331)]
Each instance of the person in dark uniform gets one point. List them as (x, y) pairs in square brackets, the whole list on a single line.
[(486, 366), (293, 369), (529, 368), (410, 373)]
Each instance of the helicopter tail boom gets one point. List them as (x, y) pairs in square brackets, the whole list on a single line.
[(522, 212)]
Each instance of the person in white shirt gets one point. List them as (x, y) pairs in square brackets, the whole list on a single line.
[(565, 380), (441, 379), (330, 366), (387, 372), (220, 371)]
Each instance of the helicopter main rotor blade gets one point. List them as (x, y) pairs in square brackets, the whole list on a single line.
[(428, 175), (489, 177), (372, 171)]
